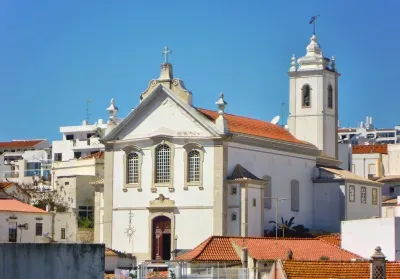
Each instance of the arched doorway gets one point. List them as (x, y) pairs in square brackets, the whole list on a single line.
[(161, 234)]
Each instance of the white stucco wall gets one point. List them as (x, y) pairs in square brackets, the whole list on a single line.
[(362, 236), (361, 163), (282, 167), (357, 210), (255, 226), (194, 206), (22, 218), (68, 222), (393, 159), (329, 206), (345, 156)]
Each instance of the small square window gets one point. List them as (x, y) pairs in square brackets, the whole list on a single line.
[(62, 233), (352, 193), (233, 190), (233, 217), (39, 229), (66, 183), (254, 202)]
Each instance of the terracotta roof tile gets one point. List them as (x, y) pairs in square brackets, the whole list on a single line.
[(365, 149), (389, 178), (241, 173), (19, 143), (4, 185), (390, 202), (253, 127), (97, 155), (13, 205), (220, 248), (335, 269), (346, 130), (334, 238), (212, 249)]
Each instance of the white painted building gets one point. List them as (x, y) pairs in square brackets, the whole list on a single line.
[(21, 222), (188, 173), (366, 133), (79, 141), (361, 236), (25, 161)]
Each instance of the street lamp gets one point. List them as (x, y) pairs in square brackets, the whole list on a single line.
[(277, 200)]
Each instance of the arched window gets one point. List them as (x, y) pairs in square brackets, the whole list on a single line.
[(306, 91), (330, 96), (163, 153), (132, 173), (194, 166)]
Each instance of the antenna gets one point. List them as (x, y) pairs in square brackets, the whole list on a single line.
[(275, 120), (87, 110), (282, 106)]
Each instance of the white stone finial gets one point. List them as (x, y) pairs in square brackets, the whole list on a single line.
[(112, 110), (293, 64), (333, 64), (221, 104)]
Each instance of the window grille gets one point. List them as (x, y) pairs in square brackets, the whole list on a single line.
[(133, 168), (363, 195), (194, 166), (163, 171)]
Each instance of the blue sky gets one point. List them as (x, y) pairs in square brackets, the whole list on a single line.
[(54, 55)]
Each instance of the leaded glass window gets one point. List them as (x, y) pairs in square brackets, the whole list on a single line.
[(133, 168), (163, 165), (194, 166)]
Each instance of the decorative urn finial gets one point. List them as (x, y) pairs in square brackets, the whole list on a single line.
[(221, 104)]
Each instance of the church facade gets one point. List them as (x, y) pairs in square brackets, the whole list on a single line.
[(176, 174)]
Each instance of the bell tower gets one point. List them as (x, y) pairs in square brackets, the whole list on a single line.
[(313, 99)]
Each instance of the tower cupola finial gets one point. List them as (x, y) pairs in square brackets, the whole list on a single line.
[(293, 64)]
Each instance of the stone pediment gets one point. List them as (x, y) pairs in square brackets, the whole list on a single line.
[(161, 202)]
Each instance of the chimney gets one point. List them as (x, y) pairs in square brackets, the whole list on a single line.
[(244, 257), (290, 254), (378, 264)]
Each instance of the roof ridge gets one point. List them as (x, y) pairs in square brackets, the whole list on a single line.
[(206, 243), (238, 116)]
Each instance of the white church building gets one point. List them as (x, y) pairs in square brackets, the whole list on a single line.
[(176, 174)]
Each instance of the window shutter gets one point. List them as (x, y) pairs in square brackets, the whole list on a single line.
[(295, 195), (267, 193)]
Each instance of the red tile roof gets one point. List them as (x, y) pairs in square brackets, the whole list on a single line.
[(253, 127), (334, 238), (220, 248), (335, 269), (346, 130), (212, 249), (19, 143), (13, 205), (4, 185), (97, 155), (375, 148)]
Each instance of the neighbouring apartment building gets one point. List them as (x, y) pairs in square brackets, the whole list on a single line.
[(79, 141), (25, 162), (366, 133)]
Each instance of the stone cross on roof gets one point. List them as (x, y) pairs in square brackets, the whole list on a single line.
[(165, 52)]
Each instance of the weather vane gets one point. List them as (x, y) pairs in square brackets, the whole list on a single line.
[(312, 21), (165, 52)]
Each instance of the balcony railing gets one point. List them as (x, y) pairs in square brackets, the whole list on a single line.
[(35, 172), (91, 143)]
